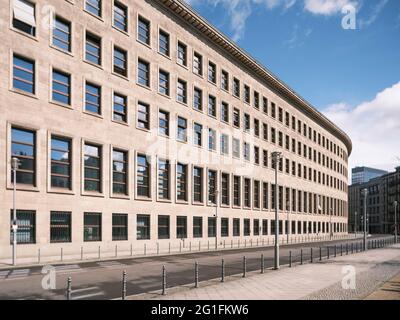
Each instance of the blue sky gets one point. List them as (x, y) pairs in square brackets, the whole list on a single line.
[(341, 72)]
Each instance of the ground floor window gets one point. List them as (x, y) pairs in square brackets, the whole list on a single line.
[(293, 231), (273, 227), (211, 227), (246, 227), (236, 227), (181, 227), (92, 226), (60, 226), (256, 227), (26, 222), (143, 227), (224, 227), (119, 226), (265, 227), (163, 227), (197, 227)]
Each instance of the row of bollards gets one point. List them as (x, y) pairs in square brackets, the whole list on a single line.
[(354, 247)]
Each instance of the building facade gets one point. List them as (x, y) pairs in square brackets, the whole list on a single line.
[(137, 124), (364, 174), (382, 194)]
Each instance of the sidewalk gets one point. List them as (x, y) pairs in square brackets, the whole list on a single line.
[(320, 280), (390, 290)]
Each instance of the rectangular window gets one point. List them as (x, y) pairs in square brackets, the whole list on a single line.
[(144, 30), (23, 147), (120, 62), (60, 227), (212, 72), (143, 176), (197, 64), (273, 110), (93, 6), (236, 227), (225, 189), (212, 187), (197, 184), (26, 222), (224, 144), (256, 155), (224, 80), (120, 16), (212, 106), (256, 100), (224, 227), (256, 195), (163, 227), (181, 227), (265, 227), (197, 227), (120, 172), (60, 162), (236, 191), (119, 108), (24, 16), (247, 192), (197, 134), (224, 112), (164, 174), (143, 227), (182, 54), (93, 49), (181, 94), (247, 125), (143, 117), (265, 158), (246, 151), (119, 227), (92, 227), (246, 227), (61, 36), (93, 98), (256, 227), (212, 227), (256, 127), (236, 87), (61, 87), (163, 123), (236, 148), (246, 94), (181, 133), (163, 82), (92, 164), (265, 195), (181, 182), (265, 105), (212, 140), (143, 73), (23, 74), (197, 99), (236, 118), (163, 43)]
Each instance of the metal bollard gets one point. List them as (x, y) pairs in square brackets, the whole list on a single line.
[(244, 266), (180, 246), (39, 255), (131, 250), (81, 253), (124, 285), (99, 253), (199, 245), (196, 274), (164, 281), (116, 250), (320, 254), (158, 248), (69, 288), (328, 251), (290, 258), (311, 253), (169, 247), (190, 246), (301, 256), (145, 249), (223, 270), (262, 263)]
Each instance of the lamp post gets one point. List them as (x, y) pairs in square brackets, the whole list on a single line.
[(365, 192), (15, 162), (395, 222), (276, 158)]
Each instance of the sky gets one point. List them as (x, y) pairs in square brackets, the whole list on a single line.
[(350, 73)]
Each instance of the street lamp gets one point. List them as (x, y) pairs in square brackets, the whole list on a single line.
[(395, 222), (365, 192), (276, 158), (15, 162)]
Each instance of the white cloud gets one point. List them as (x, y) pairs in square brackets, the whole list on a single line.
[(374, 128), (327, 7)]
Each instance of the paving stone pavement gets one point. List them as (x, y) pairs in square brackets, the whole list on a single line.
[(320, 280)]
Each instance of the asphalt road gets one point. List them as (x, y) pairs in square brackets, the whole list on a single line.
[(103, 279)]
